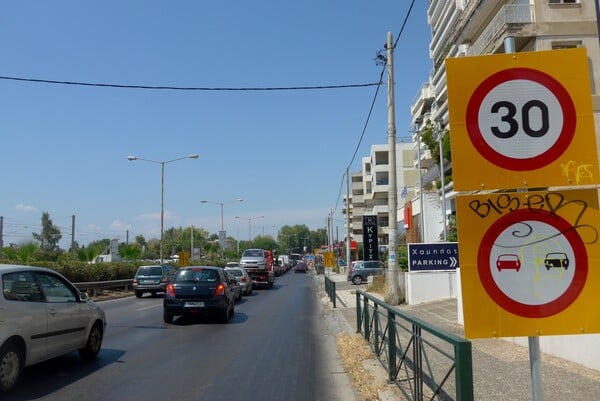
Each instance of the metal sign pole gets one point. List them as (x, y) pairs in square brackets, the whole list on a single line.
[(535, 364)]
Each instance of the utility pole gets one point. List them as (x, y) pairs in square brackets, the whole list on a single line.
[(393, 286), (1, 234), (348, 218), (73, 237)]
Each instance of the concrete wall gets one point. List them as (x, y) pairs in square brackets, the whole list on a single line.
[(429, 286)]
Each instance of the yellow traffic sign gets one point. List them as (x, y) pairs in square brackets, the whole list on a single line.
[(184, 258), (530, 266), (521, 120), (328, 259)]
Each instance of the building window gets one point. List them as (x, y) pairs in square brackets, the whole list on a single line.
[(571, 44), (563, 1)]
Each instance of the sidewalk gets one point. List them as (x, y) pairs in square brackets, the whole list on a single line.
[(501, 369)]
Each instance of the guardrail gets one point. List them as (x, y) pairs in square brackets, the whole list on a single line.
[(95, 287), (330, 289), (420, 359)]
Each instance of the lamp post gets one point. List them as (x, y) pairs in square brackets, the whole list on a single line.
[(222, 232), (162, 190), (249, 221)]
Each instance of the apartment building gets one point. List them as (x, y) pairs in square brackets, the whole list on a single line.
[(371, 185), (463, 28)]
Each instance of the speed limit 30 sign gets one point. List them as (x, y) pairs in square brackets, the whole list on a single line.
[(521, 120)]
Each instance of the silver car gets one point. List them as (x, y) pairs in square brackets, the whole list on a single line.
[(243, 277), (43, 316)]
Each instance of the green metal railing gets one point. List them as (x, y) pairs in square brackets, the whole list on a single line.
[(420, 359), (330, 289)]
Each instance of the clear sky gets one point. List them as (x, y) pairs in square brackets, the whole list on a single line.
[(64, 148)]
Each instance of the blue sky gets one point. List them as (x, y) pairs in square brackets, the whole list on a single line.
[(65, 147)]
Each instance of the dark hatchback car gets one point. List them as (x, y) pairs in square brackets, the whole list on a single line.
[(361, 270), (152, 279), (199, 291), (300, 267)]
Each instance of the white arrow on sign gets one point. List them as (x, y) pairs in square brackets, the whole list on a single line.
[(453, 261)]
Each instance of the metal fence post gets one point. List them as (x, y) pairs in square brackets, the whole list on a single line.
[(333, 296), (464, 371), (391, 345), (376, 328), (358, 313), (366, 319), (418, 362)]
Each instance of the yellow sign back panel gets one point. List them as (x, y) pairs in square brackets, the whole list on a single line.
[(522, 120), (529, 263)]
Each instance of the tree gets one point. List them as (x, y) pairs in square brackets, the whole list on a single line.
[(89, 253), (130, 252), (50, 234), (264, 242)]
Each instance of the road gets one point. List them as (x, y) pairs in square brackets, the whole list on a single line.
[(278, 346)]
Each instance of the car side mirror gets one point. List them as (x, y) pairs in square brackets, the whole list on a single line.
[(84, 296)]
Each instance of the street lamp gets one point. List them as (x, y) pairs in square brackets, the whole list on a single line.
[(222, 237), (222, 204), (249, 220), (162, 190)]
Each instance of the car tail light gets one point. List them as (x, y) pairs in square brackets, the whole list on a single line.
[(135, 281), (220, 289), (164, 280), (243, 279), (170, 291)]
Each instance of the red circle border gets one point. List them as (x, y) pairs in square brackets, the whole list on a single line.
[(532, 163), (518, 308)]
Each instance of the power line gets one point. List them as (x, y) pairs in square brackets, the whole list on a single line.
[(406, 17), (187, 88)]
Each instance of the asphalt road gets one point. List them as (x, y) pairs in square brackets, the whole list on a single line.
[(278, 346)]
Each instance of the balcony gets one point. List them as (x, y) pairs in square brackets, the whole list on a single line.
[(422, 100), (508, 14)]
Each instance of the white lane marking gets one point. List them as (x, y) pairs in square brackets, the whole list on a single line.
[(149, 307)]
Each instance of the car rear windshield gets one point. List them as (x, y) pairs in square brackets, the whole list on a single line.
[(235, 272), (150, 271), (197, 276)]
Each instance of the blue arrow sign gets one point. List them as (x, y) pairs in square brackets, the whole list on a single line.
[(433, 256)]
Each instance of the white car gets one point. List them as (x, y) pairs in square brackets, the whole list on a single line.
[(243, 277), (42, 316)]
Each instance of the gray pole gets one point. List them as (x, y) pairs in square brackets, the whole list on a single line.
[(162, 208), (1, 234), (422, 214), (192, 242), (222, 216), (598, 17), (73, 237), (535, 360), (348, 218), (443, 181), (394, 299)]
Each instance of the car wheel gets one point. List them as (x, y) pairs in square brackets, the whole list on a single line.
[(153, 293), (232, 311), (357, 280), (167, 317), (224, 315), (94, 343), (239, 296), (138, 294), (11, 364)]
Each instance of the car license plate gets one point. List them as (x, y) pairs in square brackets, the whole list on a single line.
[(147, 281), (194, 304)]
